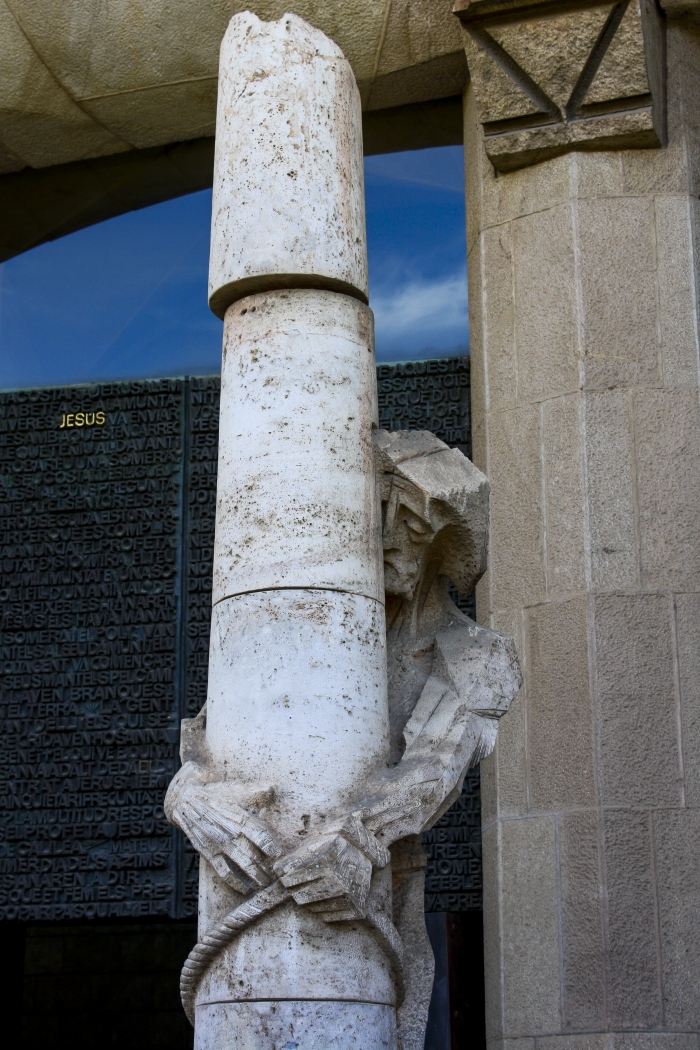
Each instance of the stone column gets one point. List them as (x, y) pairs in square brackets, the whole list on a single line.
[(304, 777), (297, 703), (583, 270)]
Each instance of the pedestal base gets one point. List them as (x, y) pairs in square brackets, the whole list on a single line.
[(295, 1025)]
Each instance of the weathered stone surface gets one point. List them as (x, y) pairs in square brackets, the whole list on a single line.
[(277, 645), (674, 248), (560, 716), (529, 973), (153, 73), (408, 875), (435, 523), (582, 921), (274, 1024), (493, 943), (688, 628), (620, 330), (288, 206), (667, 426), (546, 324), (41, 125), (677, 843), (516, 569), (564, 495), (597, 248), (634, 989), (495, 275), (297, 503), (610, 489), (506, 767), (274, 961), (636, 701), (434, 497), (548, 79)]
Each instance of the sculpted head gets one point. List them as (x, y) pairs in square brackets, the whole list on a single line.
[(434, 514)]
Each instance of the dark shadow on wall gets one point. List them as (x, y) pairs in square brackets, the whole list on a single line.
[(39, 205), (456, 1017), (93, 987)]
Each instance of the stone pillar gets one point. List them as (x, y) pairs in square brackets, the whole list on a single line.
[(583, 271), (297, 710)]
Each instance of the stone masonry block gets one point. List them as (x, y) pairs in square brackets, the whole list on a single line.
[(517, 527), (666, 173), (503, 774), (527, 191), (620, 1041), (479, 439), (474, 159), (510, 772), (670, 170), (493, 931), (508, 622), (583, 948), (667, 431), (677, 840), (483, 601), (684, 96), (545, 295), (564, 495), (653, 1041), (695, 242), (688, 631), (677, 292), (531, 995), (610, 490), (618, 292), (560, 731), (549, 185), (634, 995), (571, 1041), (636, 701), (476, 330), (496, 287), (489, 795), (596, 175)]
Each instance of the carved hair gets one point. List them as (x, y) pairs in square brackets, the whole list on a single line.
[(454, 494)]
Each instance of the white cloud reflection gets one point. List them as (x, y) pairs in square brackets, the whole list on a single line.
[(422, 318)]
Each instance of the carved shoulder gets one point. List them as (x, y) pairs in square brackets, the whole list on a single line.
[(480, 665), (193, 740)]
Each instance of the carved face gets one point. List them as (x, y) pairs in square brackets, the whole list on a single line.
[(407, 533)]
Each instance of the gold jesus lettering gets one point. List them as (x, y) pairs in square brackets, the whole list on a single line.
[(82, 419)]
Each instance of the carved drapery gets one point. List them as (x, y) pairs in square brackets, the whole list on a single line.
[(555, 76)]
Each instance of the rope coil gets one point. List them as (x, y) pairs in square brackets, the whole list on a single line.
[(206, 950), (213, 942)]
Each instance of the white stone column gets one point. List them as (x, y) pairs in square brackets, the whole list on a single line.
[(297, 705), (287, 789)]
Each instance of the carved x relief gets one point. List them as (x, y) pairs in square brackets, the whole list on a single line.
[(559, 75)]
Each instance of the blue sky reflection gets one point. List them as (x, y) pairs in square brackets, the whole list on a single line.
[(126, 299)]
